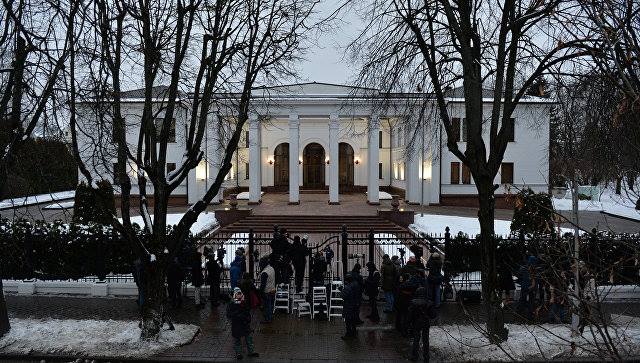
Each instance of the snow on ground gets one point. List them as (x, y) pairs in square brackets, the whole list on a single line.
[(383, 195), (527, 342), (95, 338), (204, 222), (245, 195), (610, 202), (35, 199), (60, 205), (435, 224)]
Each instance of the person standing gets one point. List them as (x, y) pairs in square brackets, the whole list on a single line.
[(350, 310), (434, 280), (197, 278), (213, 279), (359, 286), (239, 312), (267, 288), (371, 290), (175, 276), (420, 313), (235, 270), (389, 277), (299, 261)]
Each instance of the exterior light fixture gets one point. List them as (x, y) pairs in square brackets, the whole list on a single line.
[(299, 161), (328, 161), (356, 160), (270, 161)]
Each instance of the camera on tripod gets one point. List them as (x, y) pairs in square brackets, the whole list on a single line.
[(220, 254), (355, 256)]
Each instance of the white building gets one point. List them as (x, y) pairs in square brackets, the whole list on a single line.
[(335, 139)]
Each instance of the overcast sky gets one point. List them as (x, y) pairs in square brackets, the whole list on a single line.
[(326, 60)]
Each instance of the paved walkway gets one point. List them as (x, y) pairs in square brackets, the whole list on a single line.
[(287, 339)]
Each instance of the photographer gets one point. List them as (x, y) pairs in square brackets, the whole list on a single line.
[(299, 253), (213, 279), (319, 269), (371, 289)]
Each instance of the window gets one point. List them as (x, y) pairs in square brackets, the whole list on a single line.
[(511, 135), (380, 171), (464, 130), (402, 166), (380, 139), (246, 139), (171, 167), (172, 130), (506, 173), (246, 171), (116, 176), (399, 136), (466, 174), (455, 127), (455, 172)]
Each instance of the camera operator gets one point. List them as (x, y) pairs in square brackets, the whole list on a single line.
[(213, 278)]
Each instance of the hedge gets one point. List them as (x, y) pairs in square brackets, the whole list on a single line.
[(60, 251)]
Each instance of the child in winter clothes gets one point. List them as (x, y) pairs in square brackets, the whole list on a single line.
[(239, 312)]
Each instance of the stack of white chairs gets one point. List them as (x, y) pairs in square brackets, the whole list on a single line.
[(296, 299), (282, 298), (335, 299), (319, 300)]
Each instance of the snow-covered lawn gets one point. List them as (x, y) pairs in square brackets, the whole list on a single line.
[(36, 199), (245, 195), (436, 224), (610, 202), (95, 338), (60, 205), (205, 221), (526, 342)]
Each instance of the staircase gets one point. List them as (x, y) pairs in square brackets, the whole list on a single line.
[(309, 224)]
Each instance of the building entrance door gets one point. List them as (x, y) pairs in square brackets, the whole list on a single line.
[(345, 167), (313, 166), (281, 167)]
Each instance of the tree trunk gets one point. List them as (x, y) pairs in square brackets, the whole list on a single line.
[(492, 302), (154, 300), (618, 186), (4, 316)]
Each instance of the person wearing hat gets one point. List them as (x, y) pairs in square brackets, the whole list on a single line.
[(371, 290), (350, 308), (420, 313), (235, 269), (299, 253), (239, 312)]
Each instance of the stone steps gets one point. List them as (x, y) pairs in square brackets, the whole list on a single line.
[(313, 224)]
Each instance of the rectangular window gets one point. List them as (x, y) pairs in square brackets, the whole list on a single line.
[(466, 174), (380, 171), (455, 127), (172, 130), (506, 173), (511, 135), (455, 172), (246, 171), (171, 167), (246, 139), (380, 139)]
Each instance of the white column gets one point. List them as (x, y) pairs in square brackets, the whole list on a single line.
[(215, 154), (373, 158), (255, 162), (412, 173), (294, 170), (334, 128)]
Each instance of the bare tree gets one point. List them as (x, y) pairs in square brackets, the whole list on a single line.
[(34, 48), (495, 52), (211, 54)]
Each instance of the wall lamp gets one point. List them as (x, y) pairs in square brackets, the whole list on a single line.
[(357, 160)]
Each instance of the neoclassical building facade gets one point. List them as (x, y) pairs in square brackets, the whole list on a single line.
[(335, 139)]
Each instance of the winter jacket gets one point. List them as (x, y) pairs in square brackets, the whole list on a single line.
[(421, 311), (371, 283), (350, 302), (240, 316), (268, 280), (235, 271), (298, 253), (213, 272), (389, 274), (197, 278), (175, 276)]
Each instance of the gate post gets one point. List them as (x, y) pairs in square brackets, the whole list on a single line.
[(251, 249), (345, 255), (371, 245)]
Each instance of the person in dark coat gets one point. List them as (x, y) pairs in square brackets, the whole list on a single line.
[(405, 294), (299, 252), (175, 276), (239, 312), (197, 277), (389, 277), (359, 281), (372, 284), (435, 278), (213, 279), (235, 270), (505, 281), (350, 310), (421, 311), (319, 270)]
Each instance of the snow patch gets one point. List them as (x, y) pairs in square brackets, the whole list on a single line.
[(245, 195), (610, 202), (383, 195), (60, 205), (96, 338), (205, 221), (36, 199)]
